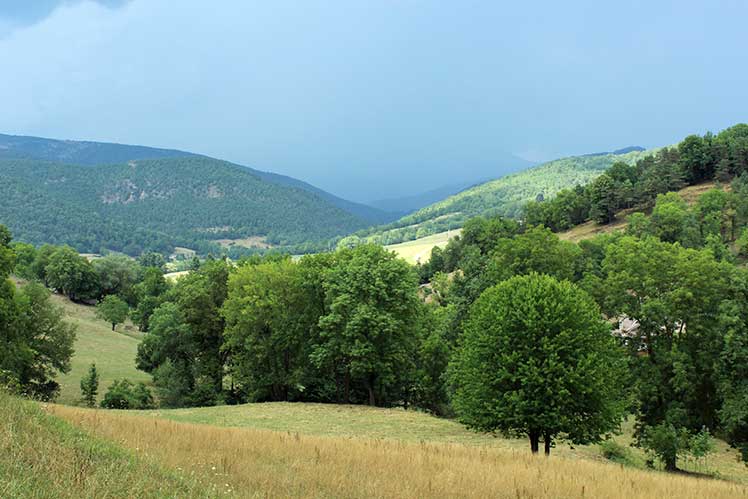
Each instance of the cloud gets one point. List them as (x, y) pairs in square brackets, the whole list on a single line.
[(16, 14)]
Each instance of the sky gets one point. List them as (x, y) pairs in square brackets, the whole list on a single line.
[(374, 99)]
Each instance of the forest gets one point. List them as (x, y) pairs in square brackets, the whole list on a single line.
[(155, 205)]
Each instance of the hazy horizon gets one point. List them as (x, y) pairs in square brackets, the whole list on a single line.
[(373, 100)]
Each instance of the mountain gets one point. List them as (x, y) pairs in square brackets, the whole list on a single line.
[(103, 153), (155, 204), (504, 196), (408, 204)]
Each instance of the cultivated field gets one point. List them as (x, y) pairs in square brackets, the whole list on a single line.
[(419, 250)]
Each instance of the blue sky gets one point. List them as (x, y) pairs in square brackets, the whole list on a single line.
[(374, 99)]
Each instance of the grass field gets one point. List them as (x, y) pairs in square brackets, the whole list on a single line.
[(42, 456), (264, 463), (113, 352), (419, 250)]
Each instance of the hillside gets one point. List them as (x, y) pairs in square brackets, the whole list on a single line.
[(247, 461), (504, 196), (104, 153), (157, 204), (113, 352), (42, 456)]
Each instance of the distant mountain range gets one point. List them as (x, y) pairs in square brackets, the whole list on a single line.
[(127, 198)]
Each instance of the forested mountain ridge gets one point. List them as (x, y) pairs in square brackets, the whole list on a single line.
[(104, 153), (505, 196), (156, 204)]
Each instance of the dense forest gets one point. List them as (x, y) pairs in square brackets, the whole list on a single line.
[(505, 196), (158, 204)]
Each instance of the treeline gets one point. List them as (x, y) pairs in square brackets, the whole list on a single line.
[(695, 160), (337, 327)]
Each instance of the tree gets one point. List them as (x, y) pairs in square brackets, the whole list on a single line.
[(152, 260), (150, 294), (45, 342), (90, 386), (184, 350), (537, 359), (123, 394), (676, 296), (117, 276), (267, 330), (71, 274), (368, 336), (602, 199), (113, 310)]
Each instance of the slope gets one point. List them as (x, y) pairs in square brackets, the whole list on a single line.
[(504, 196), (157, 204), (42, 456), (113, 352), (104, 153)]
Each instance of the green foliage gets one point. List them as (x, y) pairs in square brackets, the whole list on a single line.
[(184, 349), (118, 274), (113, 310), (90, 386), (123, 394), (536, 359), (161, 203), (367, 337), (613, 451), (149, 294), (71, 274), (35, 342), (506, 196), (268, 323)]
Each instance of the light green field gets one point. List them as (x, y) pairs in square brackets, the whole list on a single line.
[(419, 250), (113, 352)]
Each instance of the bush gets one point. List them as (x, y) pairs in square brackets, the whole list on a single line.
[(613, 451), (124, 395)]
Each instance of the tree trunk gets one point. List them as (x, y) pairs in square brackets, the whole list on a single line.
[(671, 464), (534, 441), (372, 399), (347, 387), (113, 324), (547, 440)]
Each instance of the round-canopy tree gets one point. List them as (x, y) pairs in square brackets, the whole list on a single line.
[(537, 359)]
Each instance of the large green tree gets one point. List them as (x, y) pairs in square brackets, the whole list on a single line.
[(268, 327), (537, 359), (368, 336), (71, 274), (675, 295)]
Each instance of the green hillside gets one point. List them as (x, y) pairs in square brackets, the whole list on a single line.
[(42, 456), (160, 203), (504, 196)]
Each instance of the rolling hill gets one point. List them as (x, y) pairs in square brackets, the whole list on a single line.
[(95, 196), (504, 196)]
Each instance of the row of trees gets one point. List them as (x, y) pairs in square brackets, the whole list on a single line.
[(344, 326)]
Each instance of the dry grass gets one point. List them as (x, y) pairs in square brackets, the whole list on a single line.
[(42, 456), (261, 463), (419, 250), (590, 229)]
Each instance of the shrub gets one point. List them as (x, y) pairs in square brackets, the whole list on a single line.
[(124, 395)]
